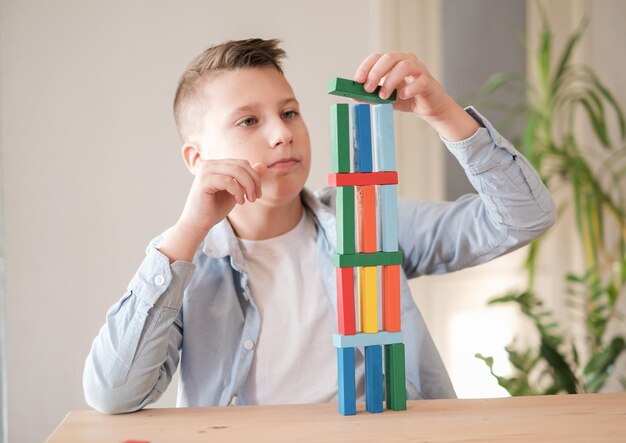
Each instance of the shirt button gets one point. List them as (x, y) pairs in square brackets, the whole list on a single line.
[(159, 280), (248, 345)]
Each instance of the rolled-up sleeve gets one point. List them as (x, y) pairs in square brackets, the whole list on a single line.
[(135, 354), (512, 207)]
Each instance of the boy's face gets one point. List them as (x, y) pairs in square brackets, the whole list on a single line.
[(253, 115)]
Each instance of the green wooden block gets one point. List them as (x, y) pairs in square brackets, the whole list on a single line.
[(340, 137), (395, 377), (345, 220), (349, 88), (367, 259)]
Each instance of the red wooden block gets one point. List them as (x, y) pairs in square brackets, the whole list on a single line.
[(366, 218), (391, 298), (346, 323), (363, 178)]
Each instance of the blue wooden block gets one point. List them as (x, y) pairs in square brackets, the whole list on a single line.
[(361, 138), (374, 378), (361, 339), (347, 385), (383, 138), (388, 203)]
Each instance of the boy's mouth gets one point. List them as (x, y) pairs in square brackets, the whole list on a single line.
[(286, 162)]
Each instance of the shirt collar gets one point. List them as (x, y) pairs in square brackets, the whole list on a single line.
[(221, 241)]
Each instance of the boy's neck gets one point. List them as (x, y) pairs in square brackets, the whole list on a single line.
[(260, 221)]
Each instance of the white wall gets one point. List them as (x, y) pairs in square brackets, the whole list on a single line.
[(92, 169)]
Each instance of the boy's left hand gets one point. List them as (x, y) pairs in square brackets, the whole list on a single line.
[(418, 92)]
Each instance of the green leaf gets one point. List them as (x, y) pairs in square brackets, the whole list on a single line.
[(488, 360), (574, 278), (600, 366), (564, 378), (523, 361), (598, 125), (543, 59), (513, 385), (610, 99), (569, 47), (511, 297)]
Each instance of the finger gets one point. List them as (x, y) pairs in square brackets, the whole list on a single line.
[(237, 171), (407, 68), (217, 183), (239, 162), (256, 178), (417, 86), (360, 76), (260, 169), (253, 174), (236, 190), (380, 69)]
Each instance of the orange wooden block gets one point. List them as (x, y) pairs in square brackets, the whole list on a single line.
[(391, 298), (366, 217)]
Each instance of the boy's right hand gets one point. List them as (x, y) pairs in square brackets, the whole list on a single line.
[(217, 187)]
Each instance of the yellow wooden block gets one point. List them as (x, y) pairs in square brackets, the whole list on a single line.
[(367, 280)]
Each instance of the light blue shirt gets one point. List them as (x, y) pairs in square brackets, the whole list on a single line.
[(203, 316)]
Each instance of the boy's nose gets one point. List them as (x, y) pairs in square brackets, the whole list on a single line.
[(281, 135)]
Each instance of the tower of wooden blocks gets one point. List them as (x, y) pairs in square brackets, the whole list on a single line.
[(364, 174)]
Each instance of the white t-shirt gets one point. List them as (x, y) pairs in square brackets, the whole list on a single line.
[(294, 358)]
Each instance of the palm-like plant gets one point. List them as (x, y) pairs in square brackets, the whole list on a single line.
[(558, 99)]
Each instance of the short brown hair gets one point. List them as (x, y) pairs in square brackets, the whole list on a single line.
[(228, 56)]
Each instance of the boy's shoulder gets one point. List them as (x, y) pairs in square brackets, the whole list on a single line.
[(326, 196)]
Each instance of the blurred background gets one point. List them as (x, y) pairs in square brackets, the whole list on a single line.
[(91, 165)]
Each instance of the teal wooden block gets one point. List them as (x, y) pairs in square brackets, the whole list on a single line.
[(388, 204), (344, 205), (374, 379), (340, 137), (383, 138), (367, 259), (361, 339), (395, 377), (349, 88)]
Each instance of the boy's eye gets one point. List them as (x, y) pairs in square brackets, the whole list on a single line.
[(290, 114), (248, 121)]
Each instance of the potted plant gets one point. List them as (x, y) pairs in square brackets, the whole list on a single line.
[(588, 181)]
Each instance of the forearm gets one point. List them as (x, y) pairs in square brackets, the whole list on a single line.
[(512, 208), (453, 123), (181, 242), (135, 354)]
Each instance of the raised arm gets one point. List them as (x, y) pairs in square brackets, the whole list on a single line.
[(512, 207)]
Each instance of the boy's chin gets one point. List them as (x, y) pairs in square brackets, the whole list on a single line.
[(283, 189), (280, 195)]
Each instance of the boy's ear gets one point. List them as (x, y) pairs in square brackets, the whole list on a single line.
[(191, 156)]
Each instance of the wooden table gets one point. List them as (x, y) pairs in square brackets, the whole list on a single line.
[(571, 418)]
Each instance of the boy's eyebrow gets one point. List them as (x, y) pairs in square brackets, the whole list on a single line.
[(251, 107), (290, 100)]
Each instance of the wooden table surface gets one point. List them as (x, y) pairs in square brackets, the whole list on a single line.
[(567, 418)]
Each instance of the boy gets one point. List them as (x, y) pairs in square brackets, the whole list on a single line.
[(242, 288)]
